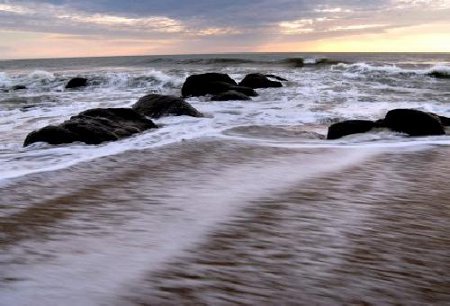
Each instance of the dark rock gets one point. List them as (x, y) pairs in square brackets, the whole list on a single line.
[(77, 82), (18, 87), (413, 122), (52, 135), (258, 80), (439, 75), (156, 106), (296, 62), (380, 123), (273, 76), (231, 95), (445, 121), (327, 61), (93, 126), (243, 90), (207, 83), (348, 127)]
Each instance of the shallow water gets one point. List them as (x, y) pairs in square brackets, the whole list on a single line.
[(349, 86), (249, 205), (224, 222)]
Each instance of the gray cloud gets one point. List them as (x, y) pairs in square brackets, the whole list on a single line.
[(220, 22)]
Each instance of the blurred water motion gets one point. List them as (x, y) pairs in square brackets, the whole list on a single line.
[(225, 222)]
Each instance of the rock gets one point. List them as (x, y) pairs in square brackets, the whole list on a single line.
[(348, 127), (18, 87), (243, 90), (439, 75), (156, 106), (296, 62), (413, 122), (50, 134), (93, 126), (272, 76), (207, 83), (445, 121), (77, 82), (231, 95), (327, 61), (258, 80)]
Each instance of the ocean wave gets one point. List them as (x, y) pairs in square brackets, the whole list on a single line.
[(290, 61), (153, 78), (219, 60), (5, 80), (41, 75), (43, 81), (38, 79), (440, 71), (299, 62), (366, 68)]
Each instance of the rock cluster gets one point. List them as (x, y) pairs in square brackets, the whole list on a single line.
[(223, 88), (408, 121), (93, 126)]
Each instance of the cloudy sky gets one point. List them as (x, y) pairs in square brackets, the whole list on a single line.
[(63, 28)]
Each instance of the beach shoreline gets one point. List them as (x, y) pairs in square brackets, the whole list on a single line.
[(209, 221)]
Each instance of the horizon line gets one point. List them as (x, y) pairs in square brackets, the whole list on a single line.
[(225, 53)]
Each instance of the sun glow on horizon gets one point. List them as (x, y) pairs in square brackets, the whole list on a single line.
[(426, 38), (31, 29)]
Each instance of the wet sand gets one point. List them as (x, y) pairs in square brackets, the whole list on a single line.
[(209, 222)]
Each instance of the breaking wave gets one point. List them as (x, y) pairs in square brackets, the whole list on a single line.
[(365, 68), (42, 81)]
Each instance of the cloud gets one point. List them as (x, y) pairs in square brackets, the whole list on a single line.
[(51, 18), (211, 25)]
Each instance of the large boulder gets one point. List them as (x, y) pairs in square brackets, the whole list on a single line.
[(93, 126), (76, 83), (258, 80), (157, 106), (206, 83), (231, 95), (413, 122), (348, 127)]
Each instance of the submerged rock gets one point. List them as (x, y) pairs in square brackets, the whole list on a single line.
[(439, 75), (77, 82), (206, 83), (273, 76), (18, 87), (231, 95), (296, 62), (348, 127), (156, 106), (93, 126), (258, 80), (413, 122)]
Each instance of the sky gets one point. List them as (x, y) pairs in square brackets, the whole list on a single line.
[(63, 28)]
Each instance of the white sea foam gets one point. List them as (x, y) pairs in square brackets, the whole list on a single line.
[(311, 98), (441, 68), (41, 74), (389, 69), (5, 80), (87, 269)]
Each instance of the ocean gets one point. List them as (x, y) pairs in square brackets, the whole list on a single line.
[(250, 204)]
